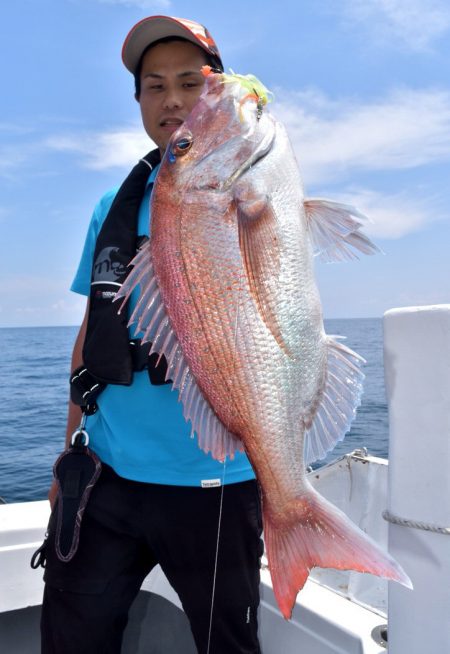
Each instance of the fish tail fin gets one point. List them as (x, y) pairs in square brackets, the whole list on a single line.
[(320, 535)]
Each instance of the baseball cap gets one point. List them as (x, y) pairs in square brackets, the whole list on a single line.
[(153, 28)]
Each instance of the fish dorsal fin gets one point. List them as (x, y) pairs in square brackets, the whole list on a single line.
[(258, 242), (150, 318), (335, 230), (339, 400)]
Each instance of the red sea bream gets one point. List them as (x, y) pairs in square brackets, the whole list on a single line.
[(228, 295)]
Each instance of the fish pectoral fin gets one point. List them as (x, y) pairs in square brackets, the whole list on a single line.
[(335, 230), (258, 241)]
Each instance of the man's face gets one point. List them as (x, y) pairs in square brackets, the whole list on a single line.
[(171, 83)]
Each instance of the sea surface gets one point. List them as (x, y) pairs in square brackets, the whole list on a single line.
[(34, 372)]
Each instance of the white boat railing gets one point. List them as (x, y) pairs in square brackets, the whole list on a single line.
[(417, 370)]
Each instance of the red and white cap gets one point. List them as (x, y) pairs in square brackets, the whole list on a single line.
[(153, 28)]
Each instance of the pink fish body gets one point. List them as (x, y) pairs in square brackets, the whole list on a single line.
[(228, 296)]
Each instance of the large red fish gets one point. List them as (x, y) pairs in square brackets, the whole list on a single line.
[(228, 296)]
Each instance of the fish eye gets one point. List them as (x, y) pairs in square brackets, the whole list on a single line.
[(182, 145)]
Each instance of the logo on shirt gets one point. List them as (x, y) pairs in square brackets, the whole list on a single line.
[(109, 265)]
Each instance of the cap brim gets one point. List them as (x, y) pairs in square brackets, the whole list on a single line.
[(149, 30)]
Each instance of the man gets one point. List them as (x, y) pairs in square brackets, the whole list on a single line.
[(158, 498)]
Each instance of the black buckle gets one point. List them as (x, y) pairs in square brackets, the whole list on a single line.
[(84, 389)]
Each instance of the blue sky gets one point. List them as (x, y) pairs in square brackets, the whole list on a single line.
[(363, 87)]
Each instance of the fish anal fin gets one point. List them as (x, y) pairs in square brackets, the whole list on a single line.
[(153, 324), (212, 435), (258, 242), (319, 534), (337, 403)]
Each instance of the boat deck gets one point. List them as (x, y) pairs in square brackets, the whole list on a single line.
[(156, 626), (335, 613)]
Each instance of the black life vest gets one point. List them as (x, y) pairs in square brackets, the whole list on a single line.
[(107, 352)]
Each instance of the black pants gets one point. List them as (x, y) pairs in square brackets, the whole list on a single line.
[(128, 528)]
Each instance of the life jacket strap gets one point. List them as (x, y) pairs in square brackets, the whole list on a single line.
[(86, 387)]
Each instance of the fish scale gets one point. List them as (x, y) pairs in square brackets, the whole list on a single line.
[(213, 282), (231, 254)]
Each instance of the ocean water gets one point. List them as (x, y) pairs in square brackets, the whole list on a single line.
[(34, 372)]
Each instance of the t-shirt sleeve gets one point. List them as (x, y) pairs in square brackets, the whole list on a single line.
[(82, 280)]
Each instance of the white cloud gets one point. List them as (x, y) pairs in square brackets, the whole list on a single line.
[(407, 129), (414, 24), (115, 148), (140, 4), (40, 300), (11, 158), (73, 306), (31, 284), (391, 215), (333, 140), (13, 129)]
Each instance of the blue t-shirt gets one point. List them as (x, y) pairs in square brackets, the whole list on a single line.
[(139, 430)]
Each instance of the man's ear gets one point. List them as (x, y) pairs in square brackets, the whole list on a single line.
[(136, 97)]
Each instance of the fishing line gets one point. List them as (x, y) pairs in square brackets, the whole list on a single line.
[(238, 304), (216, 557)]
